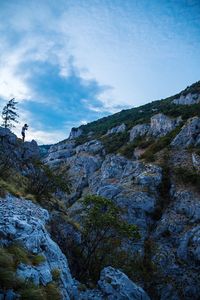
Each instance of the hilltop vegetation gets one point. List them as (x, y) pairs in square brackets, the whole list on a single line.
[(142, 114)]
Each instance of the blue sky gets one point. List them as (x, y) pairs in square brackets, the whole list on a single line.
[(69, 62)]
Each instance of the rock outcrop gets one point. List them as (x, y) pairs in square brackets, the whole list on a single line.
[(177, 244), (59, 152), (162, 125), (189, 134), (75, 133), (117, 129), (114, 284), (138, 131), (188, 99), (24, 222)]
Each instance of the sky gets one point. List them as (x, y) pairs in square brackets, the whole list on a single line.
[(69, 62)]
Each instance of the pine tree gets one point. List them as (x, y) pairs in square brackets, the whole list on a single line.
[(9, 114)]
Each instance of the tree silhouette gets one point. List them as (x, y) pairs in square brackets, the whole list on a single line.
[(9, 114)]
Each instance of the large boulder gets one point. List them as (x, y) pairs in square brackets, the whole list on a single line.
[(138, 131), (189, 134), (162, 124), (24, 222), (115, 285), (188, 99)]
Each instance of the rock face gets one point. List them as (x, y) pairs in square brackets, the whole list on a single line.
[(114, 284), (7, 135), (189, 134), (15, 150), (177, 244), (117, 129), (75, 133), (188, 99), (139, 130), (24, 222), (162, 124), (59, 152), (168, 219)]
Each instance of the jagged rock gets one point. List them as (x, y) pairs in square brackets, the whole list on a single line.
[(162, 124), (75, 133), (116, 285), (81, 168), (189, 134), (91, 147), (139, 130), (117, 129), (58, 153), (35, 238), (188, 99)]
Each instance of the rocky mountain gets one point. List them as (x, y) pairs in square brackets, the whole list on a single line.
[(137, 236)]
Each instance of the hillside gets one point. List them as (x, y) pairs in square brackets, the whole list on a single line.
[(112, 212), (142, 114)]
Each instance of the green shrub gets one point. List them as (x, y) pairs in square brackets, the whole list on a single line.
[(32, 293), (158, 145), (103, 232), (114, 141), (37, 259), (52, 292), (55, 274), (43, 182), (188, 176), (19, 253)]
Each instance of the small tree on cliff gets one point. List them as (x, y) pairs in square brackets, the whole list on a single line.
[(103, 232), (9, 114)]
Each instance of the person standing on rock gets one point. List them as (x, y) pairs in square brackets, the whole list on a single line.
[(24, 128)]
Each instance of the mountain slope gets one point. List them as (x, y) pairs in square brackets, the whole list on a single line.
[(149, 166)]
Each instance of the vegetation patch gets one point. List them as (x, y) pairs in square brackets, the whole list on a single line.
[(188, 176), (159, 144), (113, 142)]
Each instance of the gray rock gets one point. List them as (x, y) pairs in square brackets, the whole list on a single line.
[(115, 285), (139, 130), (59, 153), (75, 133), (117, 129), (188, 99), (27, 272), (8, 136), (15, 211), (189, 134), (30, 150), (91, 147), (162, 125)]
